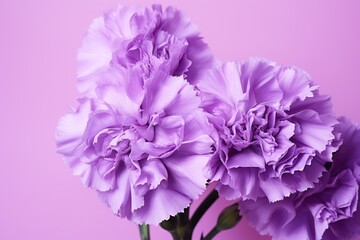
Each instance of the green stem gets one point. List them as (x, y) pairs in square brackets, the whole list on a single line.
[(144, 231), (175, 236), (200, 211), (211, 234), (204, 206), (172, 225), (183, 224), (185, 216)]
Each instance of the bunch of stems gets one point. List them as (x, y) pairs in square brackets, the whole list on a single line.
[(181, 226)]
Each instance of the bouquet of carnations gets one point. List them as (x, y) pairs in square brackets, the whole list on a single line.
[(160, 120)]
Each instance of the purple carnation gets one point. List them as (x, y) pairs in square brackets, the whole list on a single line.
[(348, 157), (275, 129), (327, 211), (141, 39), (141, 146)]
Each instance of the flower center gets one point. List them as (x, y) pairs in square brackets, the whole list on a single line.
[(328, 214), (114, 144), (255, 128)]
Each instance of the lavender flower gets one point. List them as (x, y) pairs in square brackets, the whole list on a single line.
[(328, 211), (141, 145), (141, 39), (275, 130)]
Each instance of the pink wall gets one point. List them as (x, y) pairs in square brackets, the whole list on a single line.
[(40, 199)]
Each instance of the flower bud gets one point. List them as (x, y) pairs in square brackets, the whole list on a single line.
[(228, 218)]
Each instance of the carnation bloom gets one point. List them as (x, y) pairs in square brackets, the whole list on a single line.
[(275, 129), (141, 39), (327, 211), (142, 146)]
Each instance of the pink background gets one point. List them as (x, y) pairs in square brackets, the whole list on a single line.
[(40, 199)]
